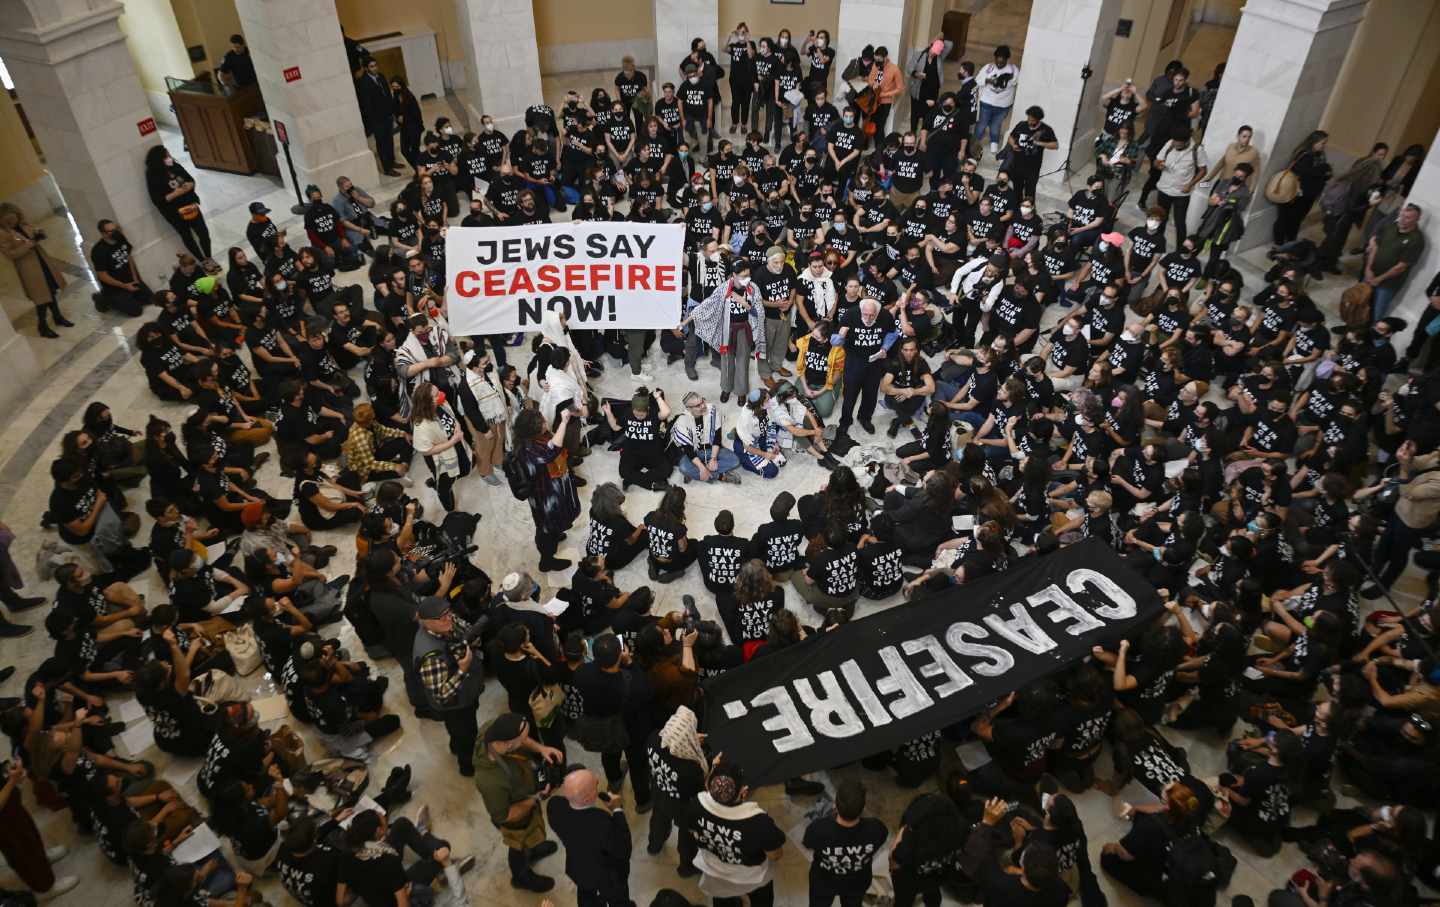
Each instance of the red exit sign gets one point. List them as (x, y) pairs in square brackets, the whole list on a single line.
[(292, 74), (146, 126)]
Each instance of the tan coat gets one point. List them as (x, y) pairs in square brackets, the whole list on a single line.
[(27, 255)]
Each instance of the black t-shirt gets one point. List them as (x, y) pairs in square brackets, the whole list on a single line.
[(778, 544), (112, 258), (68, 505), (643, 438), (740, 842), (1269, 795), (1029, 140), (841, 857), (1085, 207), (775, 288), (817, 362), (1119, 112), (665, 533), (834, 571), (862, 340), (720, 559), (1180, 267), (909, 172), (311, 877), (676, 779), (605, 533), (180, 726), (1144, 246), (750, 621), (907, 376), (376, 880), (880, 573)]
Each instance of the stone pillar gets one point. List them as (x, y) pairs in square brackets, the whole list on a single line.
[(677, 23), (1065, 36), (502, 60), (1279, 79), (84, 100), (1425, 193), (305, 78)]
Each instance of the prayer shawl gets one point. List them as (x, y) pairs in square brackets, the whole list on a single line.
[(556, 335), (694, 437), (412, 351), (730, 880), (712, 318)]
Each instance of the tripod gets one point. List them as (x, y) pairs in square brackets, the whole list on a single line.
[(1067, 168)]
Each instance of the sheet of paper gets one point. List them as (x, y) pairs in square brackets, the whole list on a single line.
[(270, 708), (201, 843), (213, 553), (555, 607), (963, 522), (129, 710), (139, 738), (361, 805), (1175, 468), (235, 605)]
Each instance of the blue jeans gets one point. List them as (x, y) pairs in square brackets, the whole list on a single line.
[(992, 120), (727, 459), (946, 391), (1383, 299), (765, 468)]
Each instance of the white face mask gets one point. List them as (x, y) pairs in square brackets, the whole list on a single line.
[(694, 80), (1152, 225), (448, 130), (1387, 814), (784, 42), (738, 179), (1102, 245), (489, 127), (1026, 210), (742, 282), (1069, 333), (821, 42)]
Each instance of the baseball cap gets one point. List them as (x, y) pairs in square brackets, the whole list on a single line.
[(1114, 238), (258, 208), (433, 608), (507, 727)]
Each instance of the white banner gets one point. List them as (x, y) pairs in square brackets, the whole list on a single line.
[(602, 275)]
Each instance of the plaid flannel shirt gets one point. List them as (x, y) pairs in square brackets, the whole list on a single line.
[(359, 449), (440, 679)]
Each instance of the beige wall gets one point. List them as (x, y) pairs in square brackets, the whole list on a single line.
[(766, 18), (191, 32), (363, 18), (1382, 85), (209, 23), (586, 21), (155, 43), (22, 165)]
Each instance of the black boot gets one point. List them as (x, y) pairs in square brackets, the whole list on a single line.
[(60, 319), (42, 322)]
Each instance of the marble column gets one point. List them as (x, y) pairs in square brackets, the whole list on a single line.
[(502, 60), (74, 73), (1412, 299), (677, 23), (319, 110), (1063, 37), (878, 23), (1279, 79)]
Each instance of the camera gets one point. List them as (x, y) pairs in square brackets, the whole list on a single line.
[(550, 774)]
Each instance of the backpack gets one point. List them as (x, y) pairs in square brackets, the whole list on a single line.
[(1195, 868), (517, 476)]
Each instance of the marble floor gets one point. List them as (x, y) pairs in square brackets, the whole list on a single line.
[(96, 360)]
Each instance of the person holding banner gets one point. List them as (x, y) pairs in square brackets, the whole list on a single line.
[(426, 356), (731, 320)]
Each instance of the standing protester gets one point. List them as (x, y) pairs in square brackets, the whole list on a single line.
[(1028, 143), (1310, 168), (554, 501), (843, 848), (868, 331), (678, 765), (172, 191), (738, 842), (997, 81)]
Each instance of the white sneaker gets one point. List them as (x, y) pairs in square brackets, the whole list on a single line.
[(62, 885), (56, 853), (643, 376)]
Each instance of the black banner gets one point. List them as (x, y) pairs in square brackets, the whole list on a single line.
[(877, 683)]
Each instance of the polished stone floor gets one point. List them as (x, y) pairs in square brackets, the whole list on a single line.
[(95, 360)]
